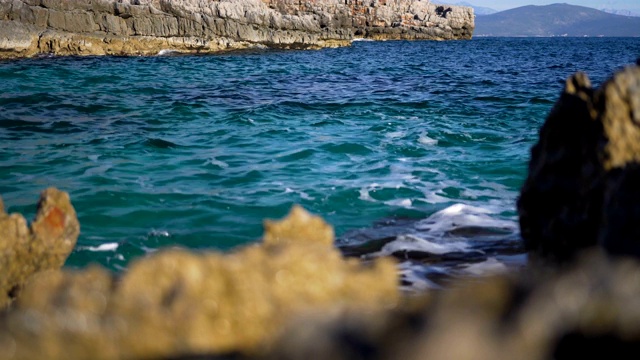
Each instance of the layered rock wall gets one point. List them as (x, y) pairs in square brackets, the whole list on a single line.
[(146, 27)]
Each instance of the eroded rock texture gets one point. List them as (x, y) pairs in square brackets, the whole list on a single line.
[(178, 303), (45, 245), (582, 189), (146, 27)]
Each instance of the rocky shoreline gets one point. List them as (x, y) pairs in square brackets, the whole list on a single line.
[(294, 295), (148, 27)]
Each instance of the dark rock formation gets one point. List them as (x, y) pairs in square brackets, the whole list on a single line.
[(45, 245), (581, 190), (147, 27)]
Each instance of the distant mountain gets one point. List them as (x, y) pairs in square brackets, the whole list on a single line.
[(478, 10), (622, 12), (556, 20)]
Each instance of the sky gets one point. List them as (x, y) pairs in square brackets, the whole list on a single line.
[(597, 4)]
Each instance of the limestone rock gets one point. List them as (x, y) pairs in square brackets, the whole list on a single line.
[(145, 27), (178, 303), (45, 245), (580, 189)]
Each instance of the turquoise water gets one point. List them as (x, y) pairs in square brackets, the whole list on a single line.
[(195, 151)]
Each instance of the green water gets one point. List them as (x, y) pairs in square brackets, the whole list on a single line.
[(196, 151)]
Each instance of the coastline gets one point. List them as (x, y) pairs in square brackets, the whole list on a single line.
[(107, 27)]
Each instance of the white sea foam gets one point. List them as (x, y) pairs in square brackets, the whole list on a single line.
[(97, 170), (159, 233), (417, 243), (306, 196), (433, 198), (425, 140), (407, 203), (432, 235), (459, 215), (216, 162), (303, 195), (364, 195), (395, 134), (102, 247)]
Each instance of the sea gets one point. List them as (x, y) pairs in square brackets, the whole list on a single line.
[(416, 150)]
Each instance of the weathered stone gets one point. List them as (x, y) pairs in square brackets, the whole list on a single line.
[(151, 26), (46, 245), (177, 303), (579, 192)]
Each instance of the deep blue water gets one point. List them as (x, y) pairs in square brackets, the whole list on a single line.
[(196, 150)]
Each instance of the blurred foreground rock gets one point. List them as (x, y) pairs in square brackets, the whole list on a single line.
[(591, 308), (25, 250), (582, 189), (179, 303)]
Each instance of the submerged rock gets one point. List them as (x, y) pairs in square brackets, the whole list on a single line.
[(582, 190), (150, 27), (45, 245), (179, 303)]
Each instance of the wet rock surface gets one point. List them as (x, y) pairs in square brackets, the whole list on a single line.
[(580, 190), (146, 27)]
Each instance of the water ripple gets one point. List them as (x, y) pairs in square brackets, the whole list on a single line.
[(197, 150)]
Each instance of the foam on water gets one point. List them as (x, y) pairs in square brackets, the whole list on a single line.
[(101, 247), (432, 137), (425, 140), (459, 240), (416, 243), (462, 215)]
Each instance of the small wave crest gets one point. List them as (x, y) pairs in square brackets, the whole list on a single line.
[(101, 247), (461, 216), (459, 240), (405, 243), (425, 140)]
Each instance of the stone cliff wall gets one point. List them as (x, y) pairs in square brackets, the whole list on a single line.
[(146, 27)]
